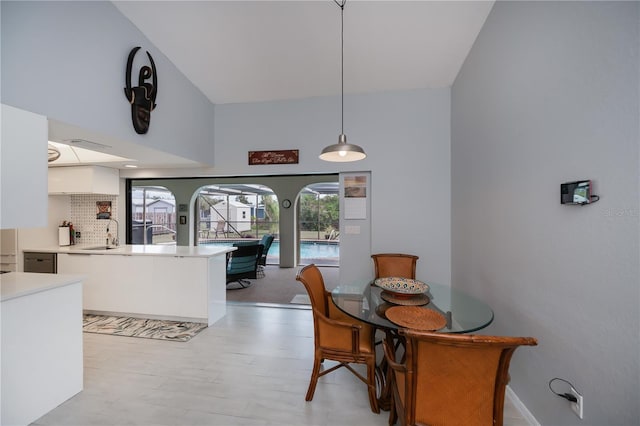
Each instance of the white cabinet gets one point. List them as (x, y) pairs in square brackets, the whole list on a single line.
[(184, 288), (23, 169), (8, 250), (84, 180), (41, 339), (112, 283)]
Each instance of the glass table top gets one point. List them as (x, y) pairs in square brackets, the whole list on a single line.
[(464, 313)]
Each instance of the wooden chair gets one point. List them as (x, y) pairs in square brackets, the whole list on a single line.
[(337, 336), (395, 265), (451, 379)]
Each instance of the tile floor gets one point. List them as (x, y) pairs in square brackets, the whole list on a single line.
[(250, 368)]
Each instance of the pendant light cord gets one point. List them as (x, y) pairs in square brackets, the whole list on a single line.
[(341, 6)]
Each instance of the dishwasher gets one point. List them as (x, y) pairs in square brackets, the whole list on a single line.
[(41, 262)]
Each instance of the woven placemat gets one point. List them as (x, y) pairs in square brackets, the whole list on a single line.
[(414, 300), (416, 318)]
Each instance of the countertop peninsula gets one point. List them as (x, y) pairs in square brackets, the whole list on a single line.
[(18, 284), (137, 250), (41, 328), (178, 283)]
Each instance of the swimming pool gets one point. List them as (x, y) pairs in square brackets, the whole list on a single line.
[(309, 250)]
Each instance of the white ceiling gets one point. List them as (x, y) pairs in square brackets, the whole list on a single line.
[(135, 154), (250, 51)]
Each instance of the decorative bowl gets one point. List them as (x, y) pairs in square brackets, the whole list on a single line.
[(402, 286)]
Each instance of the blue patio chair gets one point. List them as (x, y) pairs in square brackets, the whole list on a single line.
[(242, 264), (266, 241)]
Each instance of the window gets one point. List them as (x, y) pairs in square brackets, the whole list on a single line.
[(153, 215)]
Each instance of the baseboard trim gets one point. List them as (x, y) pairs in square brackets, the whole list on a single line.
[(524, 411), (271, 305), (145, 316)]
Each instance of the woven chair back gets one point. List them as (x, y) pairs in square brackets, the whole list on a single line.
[(395, 265), (457, 379)]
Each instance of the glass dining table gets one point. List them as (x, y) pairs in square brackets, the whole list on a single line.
[(463, 313), (364, 301)]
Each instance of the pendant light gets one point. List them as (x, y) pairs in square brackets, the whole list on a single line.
[(342, 151)]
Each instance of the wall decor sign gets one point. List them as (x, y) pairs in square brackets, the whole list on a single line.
[(103, 209), (286, 156), (143, 96)]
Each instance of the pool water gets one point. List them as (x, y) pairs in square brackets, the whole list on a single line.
[(308, 249)]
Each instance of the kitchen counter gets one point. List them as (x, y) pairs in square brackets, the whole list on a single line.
[(19, 284), (180, 283), (41, 340), (138, 250)]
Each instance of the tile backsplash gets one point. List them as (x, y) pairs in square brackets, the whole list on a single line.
[(83, 217)]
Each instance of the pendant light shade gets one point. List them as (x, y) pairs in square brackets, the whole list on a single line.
[(342, 151)]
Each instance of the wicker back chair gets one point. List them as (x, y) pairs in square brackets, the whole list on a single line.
[(451, 379), (337, 337), (395, 265)]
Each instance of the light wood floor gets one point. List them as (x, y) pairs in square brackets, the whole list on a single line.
[(250, 368)]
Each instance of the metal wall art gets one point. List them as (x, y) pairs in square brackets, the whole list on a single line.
[(142, 97)]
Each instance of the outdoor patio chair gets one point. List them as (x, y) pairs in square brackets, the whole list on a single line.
[(395, 265), (220, 229), (242, 264), (266, 241), (450, 379), (337, 337)]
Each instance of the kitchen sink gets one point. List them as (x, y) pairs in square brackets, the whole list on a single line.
[(101, 248)]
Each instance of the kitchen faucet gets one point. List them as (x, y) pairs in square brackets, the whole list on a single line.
[(115, 240)]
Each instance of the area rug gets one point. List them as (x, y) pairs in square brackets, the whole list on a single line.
[(138, 327), (301, 299)]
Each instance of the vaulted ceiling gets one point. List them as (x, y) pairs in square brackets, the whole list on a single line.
[(248, 51)]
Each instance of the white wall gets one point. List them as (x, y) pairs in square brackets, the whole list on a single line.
[(549, 94), (58, 210), (23, 139), (67, 59), (406, 137), (49, 69)]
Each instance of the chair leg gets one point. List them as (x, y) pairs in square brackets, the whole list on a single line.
[(314, 379), (393, 415), (242, 283), (371, 384)]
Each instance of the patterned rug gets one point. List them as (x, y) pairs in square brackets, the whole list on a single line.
[(139, 327)]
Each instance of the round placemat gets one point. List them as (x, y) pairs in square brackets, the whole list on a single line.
[(414, 300), (416, 318)]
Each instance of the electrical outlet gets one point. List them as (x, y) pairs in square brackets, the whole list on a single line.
[(78, 234), (577, 406)]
